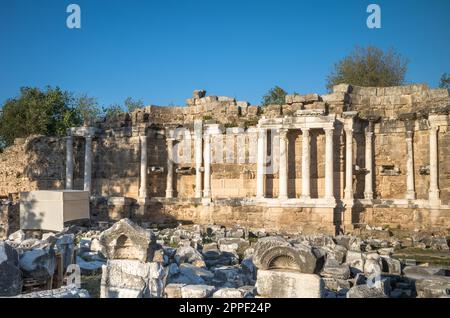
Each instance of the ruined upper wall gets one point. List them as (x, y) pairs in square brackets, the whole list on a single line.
[(385, 102), (390, 102)]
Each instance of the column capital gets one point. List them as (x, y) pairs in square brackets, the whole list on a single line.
[(434, 129), (329, 130), (369, 134), (348, 130), (283, 133), (409, 134), (306, 131)]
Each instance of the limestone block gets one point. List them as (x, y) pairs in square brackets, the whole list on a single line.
[(391, 266), (197, 291), (338, 97), (173, 290), (189, 274), (434, 287), (17, 236), (132, 279), (230, 293), (38, 263), (243, 104), (252, 110), (296, 98), (188, 254), (127, 240), (342, 88), (89, 267), (372, 267), (365, 291), (65, 245), (48, 210), (233, 245), (229, 276), (332, 268), (10, 274), (276, 253), (289, 99), (356, 261), (210, 99), (288, 284), (226, 99), (70, 291), (310, 98)]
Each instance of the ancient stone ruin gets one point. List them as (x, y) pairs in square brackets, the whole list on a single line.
[(340, 195)]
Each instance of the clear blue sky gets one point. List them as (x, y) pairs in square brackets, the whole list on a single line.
[(160, 51)]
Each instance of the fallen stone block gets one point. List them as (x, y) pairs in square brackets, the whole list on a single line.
[(127, 240), (229, 293), (365, 291), (10, 274), (38, 263), (333, 269), (188, 254), (189, 274), (197, 291), (132, 279), (70, 291), (288, 284), (277, 253), (435, 287), (173, 290)]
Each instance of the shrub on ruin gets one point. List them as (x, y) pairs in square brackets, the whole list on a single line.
[(274, 96), (44, 112), (445, 82), (369, 66)]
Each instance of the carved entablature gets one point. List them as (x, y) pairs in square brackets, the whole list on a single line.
[(309, 112), (84, 131)]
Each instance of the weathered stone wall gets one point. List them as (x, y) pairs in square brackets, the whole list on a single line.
[(39, 162)]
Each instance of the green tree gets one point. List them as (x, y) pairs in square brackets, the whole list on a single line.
[(369, 66), (88, 108), (131, 105), (112, 110), (445, 82), (49, 112), (275, 96)]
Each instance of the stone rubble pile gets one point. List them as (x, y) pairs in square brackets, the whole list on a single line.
[(213, 261)]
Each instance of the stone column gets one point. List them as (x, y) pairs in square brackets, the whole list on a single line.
[(368, 182), (88, 164), (169, 181), (69, 162), (306, 164), (261, 163), (207, 169), (143, 172), (283, 177), (410, 190), (348, 192), (434, 177), (329, 175), (198, 132)]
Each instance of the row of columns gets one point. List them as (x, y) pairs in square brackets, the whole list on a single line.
[(87, 183), (433, 194), (306, 163), (201, 158), (205, 156)]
